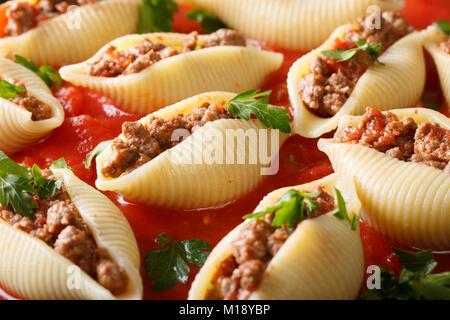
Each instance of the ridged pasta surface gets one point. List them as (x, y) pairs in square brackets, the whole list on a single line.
[(31, 269), (185, 175), (322, 259), (409, 202), (228, 68), (17, 129), (75, 36), (397, 84), (290, 24), (441, 58)]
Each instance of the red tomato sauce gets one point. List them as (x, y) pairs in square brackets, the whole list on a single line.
[(92, 118)]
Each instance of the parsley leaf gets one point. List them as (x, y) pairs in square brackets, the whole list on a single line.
[(253, 102), (344, 55), (8, 90), (60, 164), (167, 264), (45, 187), (156, 16), (209, 22), (95, 152), (415, 280), (429, 104), (49, 75), (342, 213), (292, 159), (444, 26), (292, 208)]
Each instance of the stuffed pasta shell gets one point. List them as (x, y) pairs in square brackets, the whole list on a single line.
[(438, 45), (399, 164), (61, 32), (143, 73), (319, 257), (220, 158), (68, 241), (290, 24), (28, 110), (358, 66)]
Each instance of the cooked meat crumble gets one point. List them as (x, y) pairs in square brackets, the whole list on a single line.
[(143, 142), (403, 139), (58, 223), (113, 62), (23, 16), (330, 83), (258, 242), (445, 46)]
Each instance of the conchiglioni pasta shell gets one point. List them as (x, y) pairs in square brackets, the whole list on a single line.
[(17, 129), (31, 269), (228, 68), (291, 24), (74, 36), (322, 259), (397, 84), (441, 58), (182, 175), (408, 202)]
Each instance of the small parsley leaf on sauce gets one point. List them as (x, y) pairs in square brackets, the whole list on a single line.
[(342, 213), (167, 265), (444, 26), (292, 159), (8, 90), (341, 55), (415, 281), (292, 208), (95, 152), (209, 22), (156, 16), (60, 164), (49, 75), (252, 102), (429, 104)]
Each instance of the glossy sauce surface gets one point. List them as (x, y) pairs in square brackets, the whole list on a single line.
[(92, 118)]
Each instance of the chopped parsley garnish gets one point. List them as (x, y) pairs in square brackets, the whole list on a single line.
[(341, 55), (60, 164), (415, 281), (292, 208), (292, 159), (444, 26), (95, 152), (342, 213), (18, 184), (49, 75), (156, 16), (429, 104), (167, 265), (8, 90), (252, 102), (208, 21)]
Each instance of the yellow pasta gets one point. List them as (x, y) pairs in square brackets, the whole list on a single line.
[(399, 83), (76, 35), (229, 68), (189, 175), (408, 202), (441, 58), (17, 129), (322, 259), (291, 24), (31, 269)]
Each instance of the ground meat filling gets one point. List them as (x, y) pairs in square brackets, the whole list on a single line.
[(22, 16), (143, 142), (445, 46), (403, 139), (58, 223), (330, 83), (39, 110), (113, 62), (258, 242)]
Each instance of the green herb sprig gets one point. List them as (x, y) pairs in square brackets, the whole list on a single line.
[(341, 55), (415, 281), (342, 213), (444, 26), (8, 90), (167, 265), (208, 21), (253, 102), (49, 75), (95, 152), (156, 16)]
